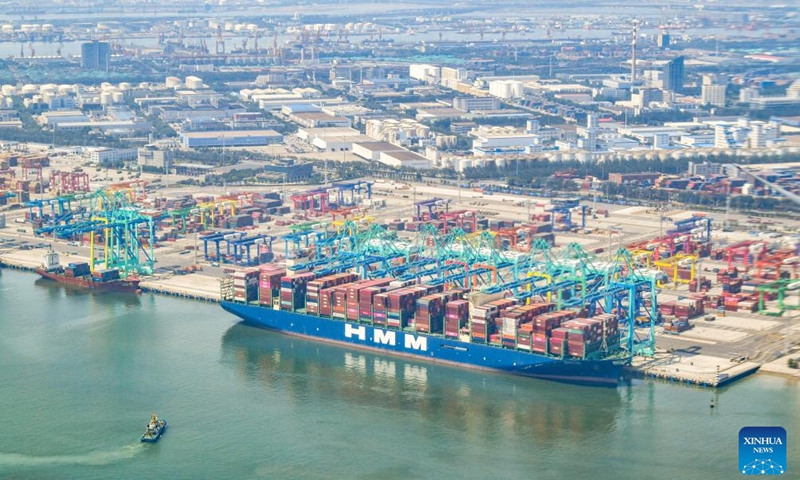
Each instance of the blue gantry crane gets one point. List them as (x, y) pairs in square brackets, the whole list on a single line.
[(567, 207), (347, 193), (127, 235)]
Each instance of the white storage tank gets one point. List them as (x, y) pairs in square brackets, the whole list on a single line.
[(173, 82)]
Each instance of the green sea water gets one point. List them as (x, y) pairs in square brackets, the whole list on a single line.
[(80, 374)]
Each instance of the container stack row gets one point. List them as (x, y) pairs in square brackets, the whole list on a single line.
[(456, 317), (245, 285), (482, 319), (430, 312), (582, 336), (319, 292), (534, 335), (402, 304), (77, 269), (293, 291), (269, 284), (105, 275), (353, 307)]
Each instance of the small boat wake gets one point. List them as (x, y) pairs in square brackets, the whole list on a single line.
[(100, 457)]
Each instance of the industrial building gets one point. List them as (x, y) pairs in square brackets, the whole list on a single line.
[(469, 104), (404, 158), (424, 73), (313, 119), (230, 138), (56, 119), (291, 169), (153, 156), (113, 156), (338, 144), (493, 140), (372, 150)]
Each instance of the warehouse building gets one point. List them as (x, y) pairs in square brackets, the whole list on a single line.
[(241, 138)]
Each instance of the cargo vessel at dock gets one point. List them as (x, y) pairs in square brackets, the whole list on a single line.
[(80, 275), (426, 322)]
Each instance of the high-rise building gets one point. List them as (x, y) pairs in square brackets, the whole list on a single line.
[(713, 90), (674, 75), (663, 40), (95, 55)]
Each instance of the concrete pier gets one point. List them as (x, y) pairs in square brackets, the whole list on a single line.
[(193, 285), (702, 370), (780, 366)]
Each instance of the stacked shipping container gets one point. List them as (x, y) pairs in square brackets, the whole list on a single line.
[(293, 291), (245, 285), (534, 327), (429, 317), (269, 284), (318, 292), (455, 317)]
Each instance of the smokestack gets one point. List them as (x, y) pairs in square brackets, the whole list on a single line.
[(633, 52)]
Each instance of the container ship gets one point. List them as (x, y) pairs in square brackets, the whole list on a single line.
[(453, 326), (80, 275)]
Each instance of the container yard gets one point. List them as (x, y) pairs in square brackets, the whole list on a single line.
[(565, 279)]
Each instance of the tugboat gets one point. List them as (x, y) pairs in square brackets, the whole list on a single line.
[(154, 429)]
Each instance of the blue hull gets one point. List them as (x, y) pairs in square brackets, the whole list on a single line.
[(429, 347), (155, 438)]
